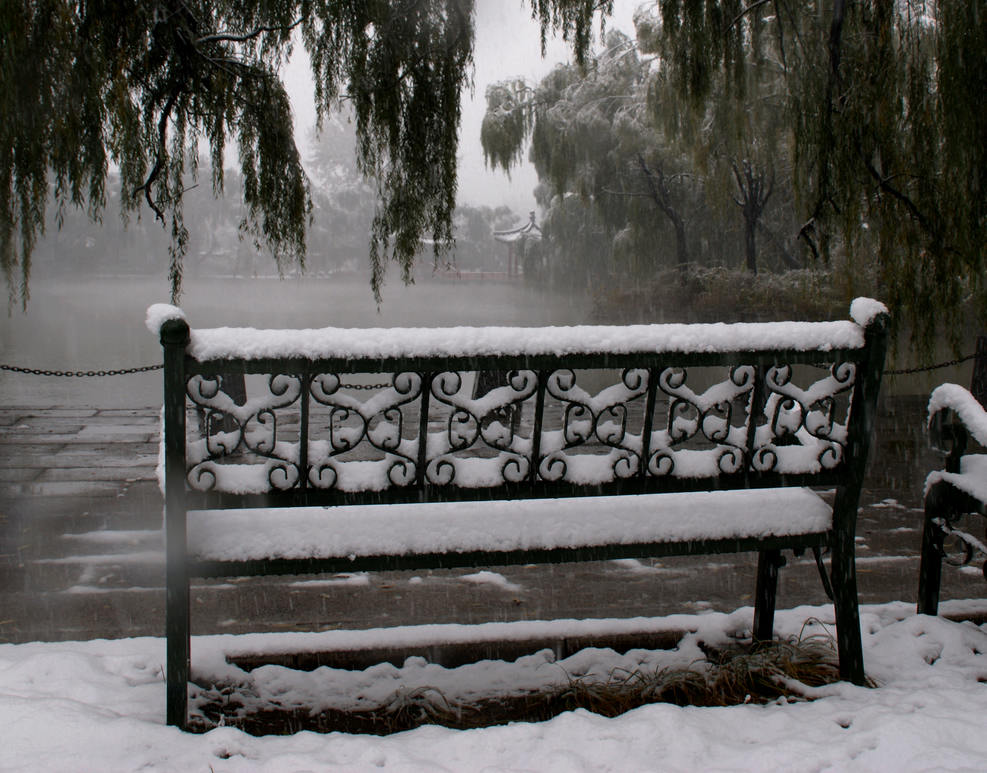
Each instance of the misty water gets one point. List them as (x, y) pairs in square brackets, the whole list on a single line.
[(98, 324), (74, 324)]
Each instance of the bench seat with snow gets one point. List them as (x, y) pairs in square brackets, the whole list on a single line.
[(363, 450), (954, 493)]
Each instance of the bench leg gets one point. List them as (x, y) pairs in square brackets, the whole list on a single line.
[(177, 635), (849, 642), (930, 570), (768, 564)]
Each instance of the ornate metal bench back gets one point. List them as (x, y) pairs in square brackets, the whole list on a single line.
[(662, 422)]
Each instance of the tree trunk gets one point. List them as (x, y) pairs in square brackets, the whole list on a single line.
[(755, 191), (658, 189), (750, 244)]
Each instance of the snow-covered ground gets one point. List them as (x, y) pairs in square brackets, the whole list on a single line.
[(99, 705)]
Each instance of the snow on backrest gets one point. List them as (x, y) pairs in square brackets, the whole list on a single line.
[(369, 410)]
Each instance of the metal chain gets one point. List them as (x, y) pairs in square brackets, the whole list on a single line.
[(919, 369), (146, 368), (128, 371), (923, 368), (344, 385), (80, 373)]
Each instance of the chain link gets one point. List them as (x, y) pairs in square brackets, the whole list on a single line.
[(919, 369), (344, 385), (81, 373), (128, 371)]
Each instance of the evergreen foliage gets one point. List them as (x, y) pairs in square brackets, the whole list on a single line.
[(137, 84)]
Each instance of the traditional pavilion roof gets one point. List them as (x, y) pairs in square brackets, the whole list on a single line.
[(527, 231)]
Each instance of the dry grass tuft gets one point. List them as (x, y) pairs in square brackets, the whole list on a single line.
[(759, 673)]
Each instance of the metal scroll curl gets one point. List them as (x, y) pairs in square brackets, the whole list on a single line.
[(960, 547)]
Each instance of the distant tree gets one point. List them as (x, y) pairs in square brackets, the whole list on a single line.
[(884, 103), (138, 84)]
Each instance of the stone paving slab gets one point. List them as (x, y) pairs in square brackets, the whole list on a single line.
[(104, 473), (97, 435), (120, 446), (11, 454), (115, 456), (31, 435), (40, 421), (80, 489), (19, 474), (124, 420), (14, 413)]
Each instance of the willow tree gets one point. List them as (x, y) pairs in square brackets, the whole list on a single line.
[(883, 99), (87, 86)]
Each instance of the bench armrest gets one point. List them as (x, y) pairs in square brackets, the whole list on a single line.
[(955, 415)]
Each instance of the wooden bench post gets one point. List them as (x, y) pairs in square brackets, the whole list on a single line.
[(174, 340)]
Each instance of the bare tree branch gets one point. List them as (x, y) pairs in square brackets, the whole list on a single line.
[(162, 152), (226, 37), (752, 7)]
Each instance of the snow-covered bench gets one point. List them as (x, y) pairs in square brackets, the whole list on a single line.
[(371, 450), (958, 490)]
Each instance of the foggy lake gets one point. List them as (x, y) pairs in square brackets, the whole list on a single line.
[(76, 323), (98, 324)]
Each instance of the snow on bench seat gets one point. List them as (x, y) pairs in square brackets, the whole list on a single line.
[(495, 526), (971, 479)]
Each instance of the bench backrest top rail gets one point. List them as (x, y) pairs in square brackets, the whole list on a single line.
[(477, 343)]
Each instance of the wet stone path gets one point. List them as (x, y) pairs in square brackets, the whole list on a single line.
[(81, 549)]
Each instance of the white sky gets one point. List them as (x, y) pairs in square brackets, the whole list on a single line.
[(507, 45)]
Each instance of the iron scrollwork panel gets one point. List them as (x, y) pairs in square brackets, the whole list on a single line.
[(476, 440), (244, 448), (593, 438), (705, 432), (804, 429), (364, 444), (591, 427)]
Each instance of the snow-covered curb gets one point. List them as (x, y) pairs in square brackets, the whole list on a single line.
[(99, 705)]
